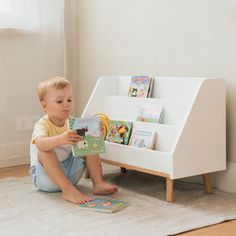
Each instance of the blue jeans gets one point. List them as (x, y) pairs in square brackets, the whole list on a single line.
[(73, 168)]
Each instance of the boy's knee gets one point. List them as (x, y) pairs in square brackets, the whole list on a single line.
[(92, 156), (44, 155)]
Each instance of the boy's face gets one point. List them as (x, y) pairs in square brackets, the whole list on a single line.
[(58, 104)]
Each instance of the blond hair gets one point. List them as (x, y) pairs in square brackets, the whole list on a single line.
[(54, 82)]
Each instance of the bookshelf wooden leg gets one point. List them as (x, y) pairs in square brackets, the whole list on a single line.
[(86, 174), (123, 170), (169, 190), (207, 183)]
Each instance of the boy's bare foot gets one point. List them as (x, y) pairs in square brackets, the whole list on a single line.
[(104, 188), (75, 196)]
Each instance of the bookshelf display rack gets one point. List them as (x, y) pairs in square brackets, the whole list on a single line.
[(191, 140)]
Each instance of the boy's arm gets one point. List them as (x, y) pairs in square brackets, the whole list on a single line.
[(49, 143)]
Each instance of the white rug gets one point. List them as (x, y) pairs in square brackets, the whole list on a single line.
[(24, 211)]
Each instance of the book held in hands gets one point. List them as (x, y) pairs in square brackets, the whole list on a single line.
[(92, 137), (119, 131), (142, 136), (106, 205), (140, 86)]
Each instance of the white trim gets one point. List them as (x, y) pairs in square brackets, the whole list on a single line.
[(15, 153), (225, 180), (14, 161), (222, 180)]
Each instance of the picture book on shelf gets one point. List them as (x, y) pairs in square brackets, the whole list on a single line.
[(142, 136), (106, 205), (150, 113), (119, 131), (140, 86), (90, 130)]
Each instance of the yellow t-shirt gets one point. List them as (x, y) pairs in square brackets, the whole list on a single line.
[(44, 127)]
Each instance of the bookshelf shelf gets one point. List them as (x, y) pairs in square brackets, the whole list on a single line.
[(191, 139), (128, 107)]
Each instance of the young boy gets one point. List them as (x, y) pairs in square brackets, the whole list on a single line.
[(53, 168)]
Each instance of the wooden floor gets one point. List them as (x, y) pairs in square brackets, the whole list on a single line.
[(224, 229)]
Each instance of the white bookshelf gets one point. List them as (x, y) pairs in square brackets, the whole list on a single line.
[(191, 140)]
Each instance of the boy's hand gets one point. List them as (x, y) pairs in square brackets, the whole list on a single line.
[(70, 137)]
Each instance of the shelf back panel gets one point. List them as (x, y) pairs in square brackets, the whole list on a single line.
[(165, 135), (182, 88), (127, 108)]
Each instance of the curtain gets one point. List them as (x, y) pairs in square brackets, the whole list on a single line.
[(32, 48)]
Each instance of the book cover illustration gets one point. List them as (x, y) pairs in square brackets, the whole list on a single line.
[(140, 86), (107, 205), (150, 113), (142, 137), (90, 130), (119, 131)]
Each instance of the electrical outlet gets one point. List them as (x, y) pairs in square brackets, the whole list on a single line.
[(20, 124), (26, 123)]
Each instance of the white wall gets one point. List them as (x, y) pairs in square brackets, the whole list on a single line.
[(161, 37), (20, 72), (27, 56)]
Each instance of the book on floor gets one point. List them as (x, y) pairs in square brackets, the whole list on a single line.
[(142, 136), (140, 86), (106, 205), (150, 113), (92, 137), (119, 131)]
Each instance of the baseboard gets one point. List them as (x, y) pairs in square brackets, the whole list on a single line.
[(222, 180), (225, 180), (14, 161), (15, 153)]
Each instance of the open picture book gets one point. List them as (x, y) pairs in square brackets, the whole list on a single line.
[(92, 137)]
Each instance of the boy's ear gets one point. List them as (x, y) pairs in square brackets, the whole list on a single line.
[(43, 105)]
